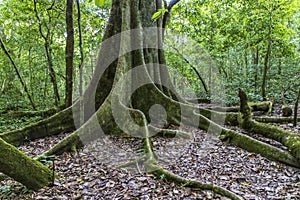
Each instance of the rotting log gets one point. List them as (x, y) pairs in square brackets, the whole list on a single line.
[(31, 173)]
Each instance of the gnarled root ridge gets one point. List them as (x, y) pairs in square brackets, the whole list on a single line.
[(61, 122), (154, 168), (287, 138)]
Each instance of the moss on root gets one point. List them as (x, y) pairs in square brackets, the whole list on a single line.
[(22, 168), (289, 139), (58, 123), (255, 146), (153, 168)]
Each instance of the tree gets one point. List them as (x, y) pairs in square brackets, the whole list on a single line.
[(47, 44), (131, 94), (18, 73), (69, 53)]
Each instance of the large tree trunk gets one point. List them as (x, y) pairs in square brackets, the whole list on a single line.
[(22, 168)]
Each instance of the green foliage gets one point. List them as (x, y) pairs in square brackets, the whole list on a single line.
[(45, 159), (13, 191), (163, 176), (100, 2), (9, 123), (160, 13), (26, 46), (7, 190), (233, 33)]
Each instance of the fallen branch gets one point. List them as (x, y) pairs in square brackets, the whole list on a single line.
[(255, 146)]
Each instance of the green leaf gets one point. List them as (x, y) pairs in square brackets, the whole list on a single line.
[(100, 2), (157, 15)]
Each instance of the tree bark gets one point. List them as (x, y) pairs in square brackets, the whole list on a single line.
[(22, 168), (266, 63), (69, 53)]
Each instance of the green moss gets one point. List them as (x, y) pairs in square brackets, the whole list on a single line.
[(253, 145), (22, 168)]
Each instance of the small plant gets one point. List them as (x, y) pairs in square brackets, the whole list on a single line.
[(47, 160), (7, 190), (163, 176), (160, 12)]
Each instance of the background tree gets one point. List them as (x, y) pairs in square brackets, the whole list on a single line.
[(69, 53)]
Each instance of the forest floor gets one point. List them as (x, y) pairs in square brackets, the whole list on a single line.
[(93, 172)]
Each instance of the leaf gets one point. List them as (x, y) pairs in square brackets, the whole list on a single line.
[(100, 3), (157, 15)]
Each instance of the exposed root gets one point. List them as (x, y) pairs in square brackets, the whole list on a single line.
[(41, 113), (159, 172), (153, 168), (248, 143), (265, 106), (58, 123), (278, 120), (132, 163), (253, 145), (15, 164), (289, 139), (170, 133)]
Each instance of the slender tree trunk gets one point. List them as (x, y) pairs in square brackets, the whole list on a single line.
[(69, 53), (48, 50), (81, 65), (267, 61), (18, 74), (296, 109), (255, 63)]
